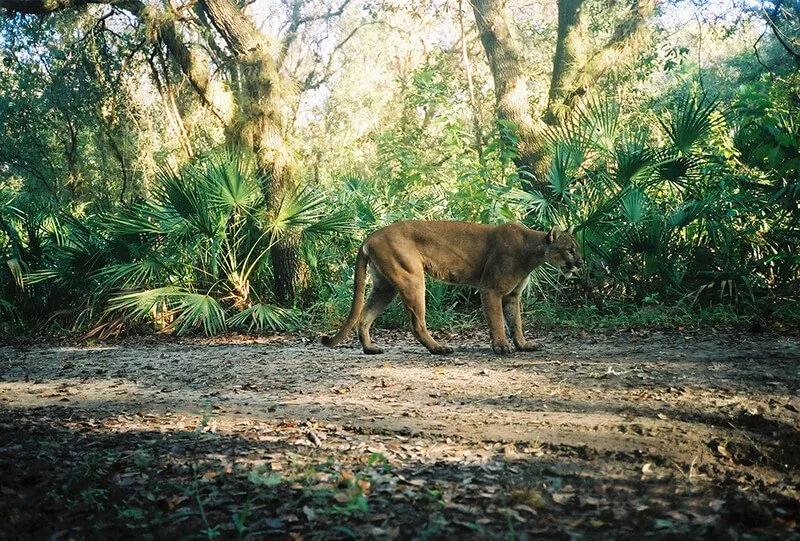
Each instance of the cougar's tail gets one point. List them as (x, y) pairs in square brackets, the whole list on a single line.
[(359, 287)]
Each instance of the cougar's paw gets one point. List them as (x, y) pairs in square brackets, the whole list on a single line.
[(372, 350), (530, 346), (442, 350), (502, 349)]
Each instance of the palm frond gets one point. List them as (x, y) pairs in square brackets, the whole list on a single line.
[(601, 209), (235, 186), (687, 213), (545, 280), (198, 310), (648, 237), (17, 269), (340, 222), (261, 317), (133, 275), (353, 183), (570, 133), (8, 215), (567, 159), (187, 194), (191, 310), (140, 219), (41, 275), (634, 161), (369, 211), (542, 209), (634, 206), (77, 254), (238, 263), (600, 124), (678, 170), (140, 304), (690, 123), (297, 210), (597, 242), (155, 304)]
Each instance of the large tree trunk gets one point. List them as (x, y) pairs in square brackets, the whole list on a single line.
[(577, 67), (259, 127), (511, 87), (564, 87)]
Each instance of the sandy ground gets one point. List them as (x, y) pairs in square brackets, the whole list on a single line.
[(712, 416)]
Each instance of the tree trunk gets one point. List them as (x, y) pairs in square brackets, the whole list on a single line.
[(511, 87), (575, 70), (564, 88), (259, 128), (476, 124)]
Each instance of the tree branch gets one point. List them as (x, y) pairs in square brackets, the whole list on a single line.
[(297, 21), (778, 33), (238, 31), (311, 82), (41, 7), (196, 71)]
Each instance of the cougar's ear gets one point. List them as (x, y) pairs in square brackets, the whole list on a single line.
[(552, 235), (571, 229)]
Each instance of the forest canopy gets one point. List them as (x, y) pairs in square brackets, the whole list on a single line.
[(213, 165)]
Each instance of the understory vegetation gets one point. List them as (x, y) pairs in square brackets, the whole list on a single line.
[(132, 200)]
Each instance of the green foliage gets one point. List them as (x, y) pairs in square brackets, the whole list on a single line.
[(192, 258), (675, 199), (769, 142), (69, 121), (660, 214)]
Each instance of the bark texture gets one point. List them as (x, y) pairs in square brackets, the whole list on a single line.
[(564, 86), (501, 44)]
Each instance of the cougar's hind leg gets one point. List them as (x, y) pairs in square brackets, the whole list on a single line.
[(383, 292), (413, 295), (513, 317)]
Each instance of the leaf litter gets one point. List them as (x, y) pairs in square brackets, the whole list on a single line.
[(651, 435)]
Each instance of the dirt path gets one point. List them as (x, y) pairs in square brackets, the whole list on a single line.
[(629, 435)]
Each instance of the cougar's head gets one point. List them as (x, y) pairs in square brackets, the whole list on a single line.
[(563, 250)]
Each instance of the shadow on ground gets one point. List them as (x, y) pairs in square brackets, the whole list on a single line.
[(651, 435)]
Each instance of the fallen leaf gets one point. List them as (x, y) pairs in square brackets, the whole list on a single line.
[(562, 498), (310, 514), (313, 438)]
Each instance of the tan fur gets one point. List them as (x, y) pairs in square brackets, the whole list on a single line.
[(497, 259)]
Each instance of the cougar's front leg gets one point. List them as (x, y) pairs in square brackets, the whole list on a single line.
[(492, 303), (512, 310)]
